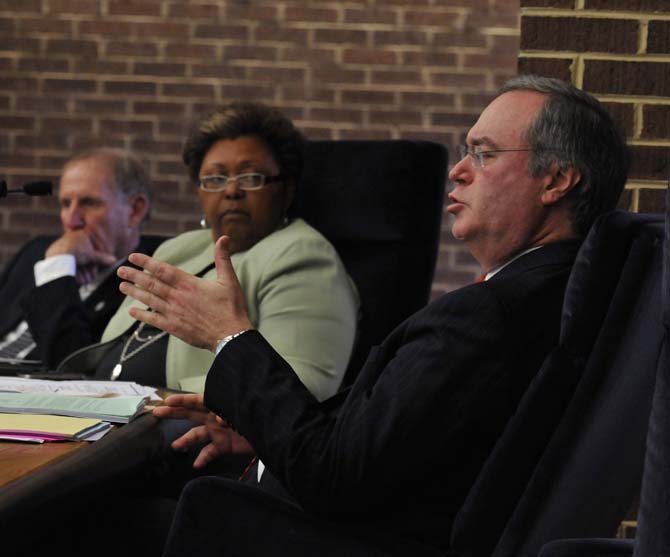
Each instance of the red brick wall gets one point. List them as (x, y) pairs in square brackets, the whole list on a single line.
[(618, 50), (132, 73)]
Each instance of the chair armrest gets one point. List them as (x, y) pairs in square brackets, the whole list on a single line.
[(588, 547)]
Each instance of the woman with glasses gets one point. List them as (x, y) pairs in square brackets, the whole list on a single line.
[(246, 160)]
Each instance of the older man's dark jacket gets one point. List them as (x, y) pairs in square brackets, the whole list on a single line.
[(58, 319)]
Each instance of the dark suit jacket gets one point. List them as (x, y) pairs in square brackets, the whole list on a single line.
[(401, 448), (59, 321)]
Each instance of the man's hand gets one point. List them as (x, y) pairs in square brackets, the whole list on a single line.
[(222, 439), (199, 312), (87, 250)]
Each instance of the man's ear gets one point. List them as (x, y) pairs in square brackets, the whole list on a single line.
[(138, 203), (559, 183)]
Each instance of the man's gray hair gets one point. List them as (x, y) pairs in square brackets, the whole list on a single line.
[(574, 130), (130, 176)]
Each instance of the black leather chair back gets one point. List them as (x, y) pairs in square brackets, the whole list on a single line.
[(653, 534), (570, 461), (380, 204)]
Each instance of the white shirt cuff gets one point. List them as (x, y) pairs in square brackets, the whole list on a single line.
[(54, 267)]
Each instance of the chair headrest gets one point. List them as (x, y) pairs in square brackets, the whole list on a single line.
[(372, 190), (612, 240)]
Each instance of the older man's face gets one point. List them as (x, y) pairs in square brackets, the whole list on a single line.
[(89, 202), (498, 208)]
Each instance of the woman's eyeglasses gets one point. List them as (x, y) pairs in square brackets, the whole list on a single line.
[(247, 182)]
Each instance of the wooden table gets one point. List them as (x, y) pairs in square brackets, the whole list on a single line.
[(45, 488), (20, 459)]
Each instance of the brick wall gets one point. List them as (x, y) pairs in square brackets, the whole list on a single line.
[(132, 73), (618, 50)]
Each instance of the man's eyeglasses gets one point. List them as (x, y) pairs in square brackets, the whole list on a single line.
[(248, 182), (479, 156)]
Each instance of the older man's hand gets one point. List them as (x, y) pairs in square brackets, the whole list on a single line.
[(200, 312), (87, 248), (220, 438)]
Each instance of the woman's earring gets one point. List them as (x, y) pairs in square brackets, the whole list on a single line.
[(203, 222)]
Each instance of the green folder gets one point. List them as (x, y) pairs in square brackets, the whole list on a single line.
[(119, 409)]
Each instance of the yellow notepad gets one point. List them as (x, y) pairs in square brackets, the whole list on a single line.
[(65, 426)]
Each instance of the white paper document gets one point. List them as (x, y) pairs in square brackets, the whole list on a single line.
[(75, 387)]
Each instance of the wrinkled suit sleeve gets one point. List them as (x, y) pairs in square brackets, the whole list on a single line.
[(389, 423)]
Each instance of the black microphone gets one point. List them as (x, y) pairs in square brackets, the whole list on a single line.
[(31, 188)]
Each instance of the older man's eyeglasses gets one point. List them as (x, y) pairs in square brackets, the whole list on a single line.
[(248, 182), (479, 156)]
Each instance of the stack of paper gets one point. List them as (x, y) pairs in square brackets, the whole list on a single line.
[(84, 387), (120, 409), (38, 428)]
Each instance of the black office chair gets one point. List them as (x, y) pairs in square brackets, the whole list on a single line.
[(570, 460), (653, 535), (380, 204)]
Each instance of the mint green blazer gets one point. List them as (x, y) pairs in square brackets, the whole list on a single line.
[(298, 296)]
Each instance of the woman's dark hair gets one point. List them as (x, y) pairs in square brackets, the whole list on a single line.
[(574, 130), (239, 119)]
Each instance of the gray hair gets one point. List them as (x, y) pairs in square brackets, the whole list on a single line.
[(574, 130), (130, 176)]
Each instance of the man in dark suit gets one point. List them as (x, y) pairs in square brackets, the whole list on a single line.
[(58, 294), (400, 449)]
